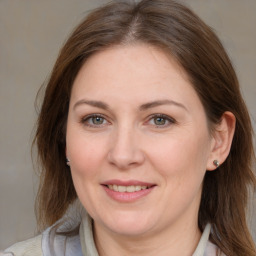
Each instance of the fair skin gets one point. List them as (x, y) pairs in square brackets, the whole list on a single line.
[(136, 122)]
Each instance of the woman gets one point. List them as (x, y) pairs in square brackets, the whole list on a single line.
[(144, 123)]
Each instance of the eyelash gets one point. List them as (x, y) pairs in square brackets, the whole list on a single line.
[(164, 117), (85, 120)]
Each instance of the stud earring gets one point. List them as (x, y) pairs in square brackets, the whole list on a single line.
[(68, 162), (216, 163)]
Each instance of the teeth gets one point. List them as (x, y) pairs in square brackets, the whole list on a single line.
[(121, 188), (128, 189), (131, 188)]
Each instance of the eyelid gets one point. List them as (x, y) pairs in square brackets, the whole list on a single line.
[(87, 117), (168, 118)]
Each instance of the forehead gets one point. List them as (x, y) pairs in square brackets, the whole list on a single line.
[(131, 61), (133, 72)]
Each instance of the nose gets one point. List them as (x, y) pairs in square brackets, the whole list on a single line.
[(125, 150)]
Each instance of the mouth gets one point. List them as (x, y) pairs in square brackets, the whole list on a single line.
[(127, 189)]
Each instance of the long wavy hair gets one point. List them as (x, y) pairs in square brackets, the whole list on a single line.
[(179, 32)]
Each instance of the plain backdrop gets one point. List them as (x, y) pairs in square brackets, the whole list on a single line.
[(31, 34)]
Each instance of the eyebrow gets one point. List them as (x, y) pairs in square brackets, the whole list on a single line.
[(143, 107), (94, 103), (157, 103)]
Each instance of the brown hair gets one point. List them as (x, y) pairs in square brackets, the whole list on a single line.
[(177, 30)]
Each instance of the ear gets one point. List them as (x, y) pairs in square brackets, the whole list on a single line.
[(66, 152), (221, 140), (67, 159)]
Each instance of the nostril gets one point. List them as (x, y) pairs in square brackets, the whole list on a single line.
[(125, 158)]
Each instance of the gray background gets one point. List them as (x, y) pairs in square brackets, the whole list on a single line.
[(31, 33)]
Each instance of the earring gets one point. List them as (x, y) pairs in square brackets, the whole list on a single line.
[(216, 163), (68, 162)]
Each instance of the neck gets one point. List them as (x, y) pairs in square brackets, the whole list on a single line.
[(180, 240)]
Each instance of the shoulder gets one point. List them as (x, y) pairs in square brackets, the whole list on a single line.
[(30, 247)]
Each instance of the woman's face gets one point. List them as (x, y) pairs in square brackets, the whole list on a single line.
[(137, 140)]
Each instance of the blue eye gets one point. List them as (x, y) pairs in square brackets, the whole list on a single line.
[(97, 120), (161, 121), (94, 121)]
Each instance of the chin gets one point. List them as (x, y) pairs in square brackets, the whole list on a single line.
[(127, 229), (128, 224)]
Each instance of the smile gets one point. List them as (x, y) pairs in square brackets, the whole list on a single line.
[(128, 189)]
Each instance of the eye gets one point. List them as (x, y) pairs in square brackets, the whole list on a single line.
[(161, 120), (95, 120)]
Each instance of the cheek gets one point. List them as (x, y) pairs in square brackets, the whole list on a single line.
[(85, 153), (183, 157), (86, 159)]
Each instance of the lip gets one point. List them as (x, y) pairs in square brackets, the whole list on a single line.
[(127, 197), (128, 183)]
